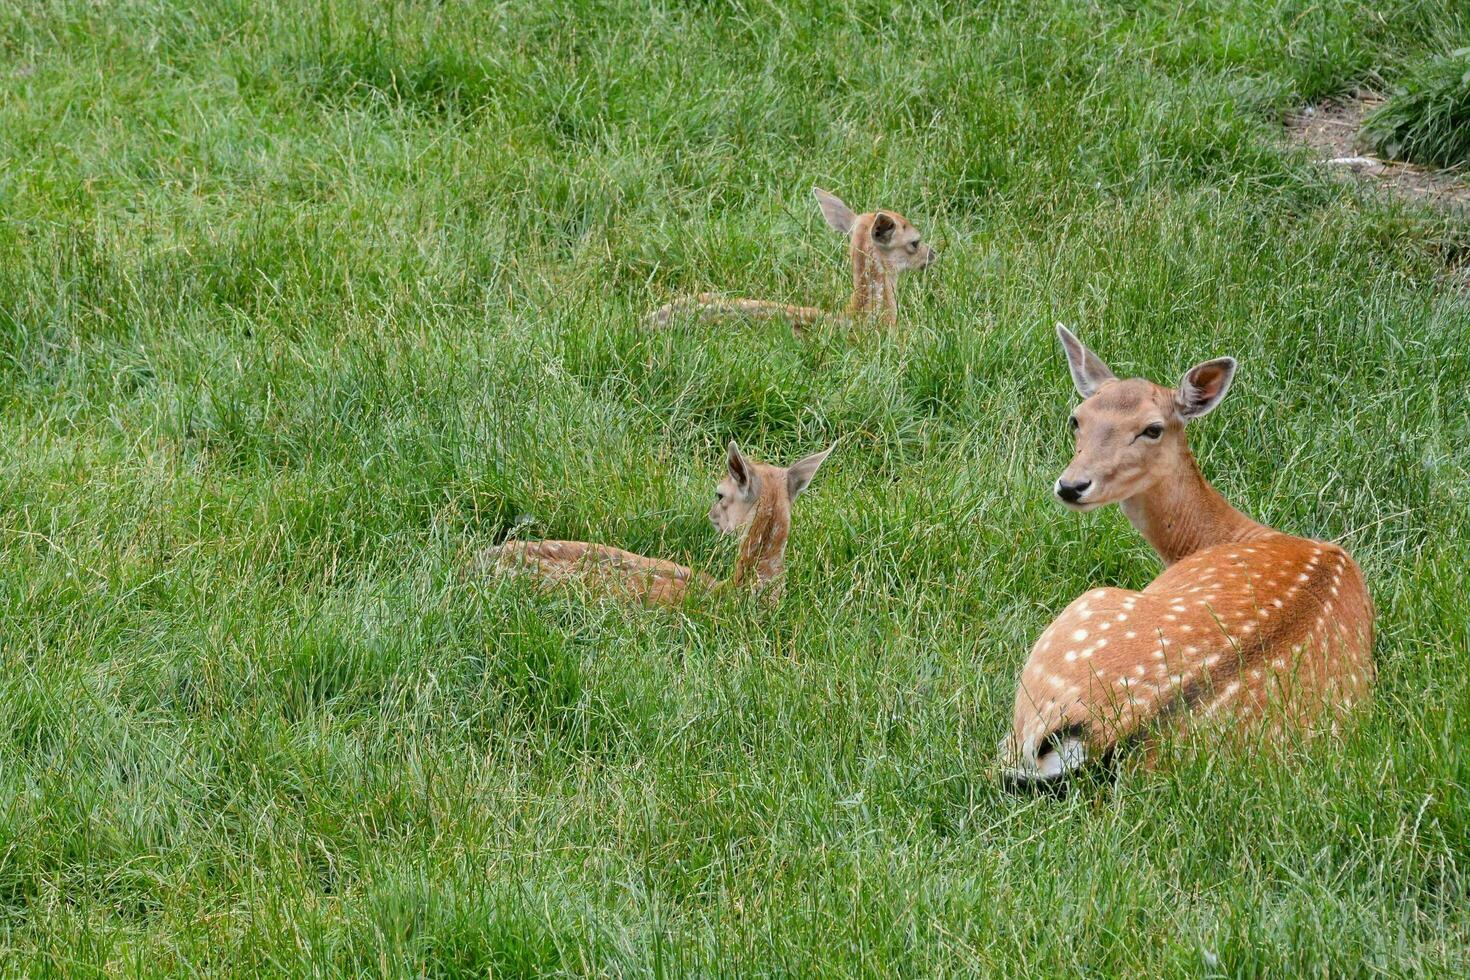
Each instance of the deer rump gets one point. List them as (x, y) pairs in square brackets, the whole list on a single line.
[(1274, 634)]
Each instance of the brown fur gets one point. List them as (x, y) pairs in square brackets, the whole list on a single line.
[(882, 244), (649, 580), (753, 498), (1246, 625)]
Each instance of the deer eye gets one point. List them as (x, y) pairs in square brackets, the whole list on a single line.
[(914, 246), (1152, 432), (1073, 423)]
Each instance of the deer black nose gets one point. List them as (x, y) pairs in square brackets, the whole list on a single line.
[(1072, 490)]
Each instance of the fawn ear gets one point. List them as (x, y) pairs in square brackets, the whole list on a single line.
[(742, 472), (1203, 387), (1089, 373), (838, 215), (799, 474), (883, 228)]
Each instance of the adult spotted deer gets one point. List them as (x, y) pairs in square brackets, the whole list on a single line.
[(881, 245), (753, 499), (1256, 628)]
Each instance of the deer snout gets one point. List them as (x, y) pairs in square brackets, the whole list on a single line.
[(931, 255), (1072, 491)]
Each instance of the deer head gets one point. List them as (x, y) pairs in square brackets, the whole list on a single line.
[(1130, 433), (887, 236), (747, 482)]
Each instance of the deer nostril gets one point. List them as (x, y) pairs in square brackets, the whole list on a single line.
[(1072, 490)]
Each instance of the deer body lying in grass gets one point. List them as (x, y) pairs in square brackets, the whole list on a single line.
[(1247, 625), (882, 244), (753, 500)]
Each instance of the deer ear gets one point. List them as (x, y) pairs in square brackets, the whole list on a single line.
[(800, 473), (741, 472), (883, 228), (1089, 373), (1203, 387), (838, 215)]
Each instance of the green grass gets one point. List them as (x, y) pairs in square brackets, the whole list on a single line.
[(302, 303), (1427, 119)]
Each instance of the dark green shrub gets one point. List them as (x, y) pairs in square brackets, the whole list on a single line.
[(1427, 120)]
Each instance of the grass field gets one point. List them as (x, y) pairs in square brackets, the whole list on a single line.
[(304, 303)]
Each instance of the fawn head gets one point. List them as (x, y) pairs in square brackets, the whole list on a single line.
[(1130, 433), (747, 481), (886, 235)]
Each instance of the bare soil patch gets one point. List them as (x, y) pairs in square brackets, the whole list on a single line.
[(1331, 130)]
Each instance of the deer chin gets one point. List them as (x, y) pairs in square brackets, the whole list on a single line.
[(1083, 506), (730, 531)]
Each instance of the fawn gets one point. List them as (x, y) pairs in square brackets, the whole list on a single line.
[(1246, 623), (882, 244), (753, 498)]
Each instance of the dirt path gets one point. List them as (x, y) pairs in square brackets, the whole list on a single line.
[(1331, 129)]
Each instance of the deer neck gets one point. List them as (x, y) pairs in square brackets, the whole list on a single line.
[(874, 286), (763, 548), (1181, 513)]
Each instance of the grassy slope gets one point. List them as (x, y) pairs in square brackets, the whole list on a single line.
[(301, 302)]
